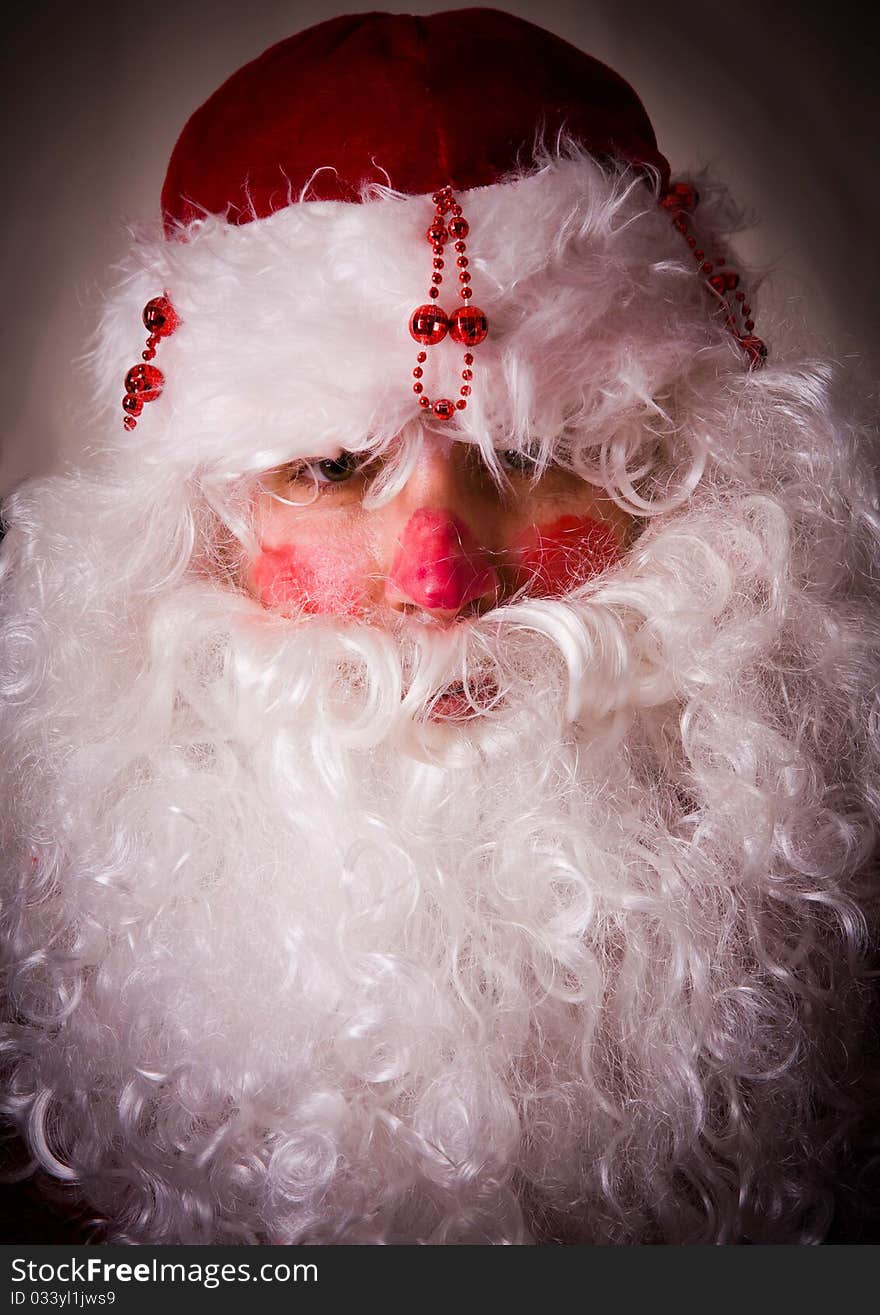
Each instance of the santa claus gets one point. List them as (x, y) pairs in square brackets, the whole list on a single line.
[(439, 789)]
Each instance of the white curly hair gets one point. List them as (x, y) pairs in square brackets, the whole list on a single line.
[(286, 958)]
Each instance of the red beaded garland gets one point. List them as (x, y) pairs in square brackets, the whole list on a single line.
[(679, 201), (429, 324), (144, 383)]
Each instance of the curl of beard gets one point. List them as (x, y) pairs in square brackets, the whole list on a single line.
[(292, 956)]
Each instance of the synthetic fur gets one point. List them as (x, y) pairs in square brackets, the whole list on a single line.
[(288, 960)]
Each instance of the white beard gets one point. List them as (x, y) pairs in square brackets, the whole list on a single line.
[(290, 961)]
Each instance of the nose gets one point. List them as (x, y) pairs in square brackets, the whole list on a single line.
[(439, 567)]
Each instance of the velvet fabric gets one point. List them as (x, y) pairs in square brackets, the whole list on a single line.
[(410, 102)]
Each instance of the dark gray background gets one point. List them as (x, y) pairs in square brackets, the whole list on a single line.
[(779, 98)]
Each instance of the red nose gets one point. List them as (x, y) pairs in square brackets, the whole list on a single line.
[(438, 565)]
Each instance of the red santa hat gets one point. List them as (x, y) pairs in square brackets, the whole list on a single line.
[(414, 103), (301, 303)]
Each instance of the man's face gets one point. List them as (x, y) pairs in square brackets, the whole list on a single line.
[(452, 540)]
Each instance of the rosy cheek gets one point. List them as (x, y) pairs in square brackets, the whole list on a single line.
[(552, 559), (311, 578)]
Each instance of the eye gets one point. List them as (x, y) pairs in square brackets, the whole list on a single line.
[(333, 470), (512, 459)]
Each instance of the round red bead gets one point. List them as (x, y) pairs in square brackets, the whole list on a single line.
[(433, 292), (160, 317), (465, 390), (132, 404), (461, 246), (462, 262), (418, 388), (460, 404), (468, 357), (444, 409), (437, 234), (129, 422), (436, 278), (698, 255), (750, 324), (459, 227), (425, 402), (467, 292), (149, 354), (438, 263), (422, 356), (755, 350), (145, 380), (429, 324), (467, 374), (464, 277), (418, 372), (680, 196)]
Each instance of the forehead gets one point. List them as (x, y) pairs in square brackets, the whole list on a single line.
[(295, 333)]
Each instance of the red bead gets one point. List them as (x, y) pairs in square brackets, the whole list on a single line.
[(750, 324), (418, 372), (160, 317), (442, 200), (418, 388), (424, 402), (145, 380), (468, 357), (467, 292), (681, 223), (746, 310), (680, 196), (438, 263), (464, 277), (437, 234), (456, 209), (433, 292), (692, 241), (429, 324), (438, 249), (459, 227), (148, 354), (740, 296), (129, 422), (436, 278), (755, 350), (698, 255), (422, 356), (460, 404), (465, 390), (462, 262), (444, 409), (461, 246), (132, 404), (467, 374), (706, 267)]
